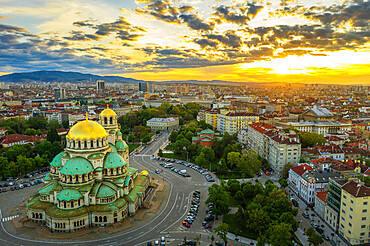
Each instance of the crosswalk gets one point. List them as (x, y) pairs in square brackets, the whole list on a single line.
[(9, 218)]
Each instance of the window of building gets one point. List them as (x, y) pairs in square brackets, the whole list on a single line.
[(341, 226), (349, 232), (344, 204), (362, 234), (363, 226), (350, 216), (351, 201), (343, 212), (351, 209), (364, 210), (350, 225), (363, 218), (343, 219), (365, 203)]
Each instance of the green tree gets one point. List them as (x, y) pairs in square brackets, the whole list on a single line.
[(30, 132), (201, 160), (139, 132), (173, 136), (146, 139), (221, 230), (289, 219), (65, 124), (313, 237), (310, 139), (280, 235), (233, 186), (285, 171), (53, 135), (220, 199), (160, 152), (208, 153), (283, 183)]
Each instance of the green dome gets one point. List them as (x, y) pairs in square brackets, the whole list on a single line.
[(69, 194), (119, 133), (113, 147), (57, 161), (121, 145), (77, 165), (105, 191), (114, 160)]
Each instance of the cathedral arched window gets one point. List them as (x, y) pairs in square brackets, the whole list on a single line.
[(92, 143), (105, 120), (111, 120)]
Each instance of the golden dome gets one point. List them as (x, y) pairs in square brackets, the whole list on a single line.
[(144, 172), (87, 129), (107, 112)]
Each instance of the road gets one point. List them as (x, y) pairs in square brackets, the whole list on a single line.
[(166, 222)]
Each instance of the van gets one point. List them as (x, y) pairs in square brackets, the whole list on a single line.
[(163, 241), (182, 171)]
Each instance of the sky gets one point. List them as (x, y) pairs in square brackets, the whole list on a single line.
[(307, 41)]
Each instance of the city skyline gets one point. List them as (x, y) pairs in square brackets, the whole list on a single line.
[(255, 41)]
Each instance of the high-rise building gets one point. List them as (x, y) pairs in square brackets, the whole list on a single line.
[(100, 84), (59, 93), (146, 87)]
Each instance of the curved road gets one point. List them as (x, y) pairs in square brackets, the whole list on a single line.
[(166, 222)]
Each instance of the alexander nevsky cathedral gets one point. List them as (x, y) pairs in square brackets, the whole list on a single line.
[(90, 183)]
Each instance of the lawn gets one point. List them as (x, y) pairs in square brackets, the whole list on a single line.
[(169, 155), (233, 227), (131, 147)]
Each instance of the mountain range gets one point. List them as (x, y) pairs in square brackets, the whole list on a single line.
[(59, 76)]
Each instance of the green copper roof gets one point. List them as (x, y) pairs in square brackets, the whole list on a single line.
[(66, 155), (135, 193), (119, 181), (194, 139), (105, 191), (57, 161), (37, 204), (121, 145), (131, 170), (96, 156), (114, 160), (77, 165), (113, 147), (127, 181), (85, 188), (69, 194), (119, 133), (99, 169), (117, 204), (140, 180), (48, 177), (56, 212), (207, 131), (49, 187), (111, 131)]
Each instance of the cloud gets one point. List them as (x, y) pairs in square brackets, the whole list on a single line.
[(237, 14), (164, 10)]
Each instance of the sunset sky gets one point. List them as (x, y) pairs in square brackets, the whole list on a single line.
[(267, 41)]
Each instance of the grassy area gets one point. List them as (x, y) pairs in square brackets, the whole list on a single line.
[(233, 227), (131, 147)]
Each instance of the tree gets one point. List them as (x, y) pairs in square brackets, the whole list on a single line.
[(53, 135), (221, 230), (313, 237), (280, 235), (289, 219), (201, 160), (30, 132), (285, 171), (65, 124), (233, 186), (160, 152), (220, 199), (212, 239), (139, 132), (310, 139), (283, 183), (208, 153), (173, 136), (146, 139)]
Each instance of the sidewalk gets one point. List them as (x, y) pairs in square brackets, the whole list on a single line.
[(242, 240), (302, 238)]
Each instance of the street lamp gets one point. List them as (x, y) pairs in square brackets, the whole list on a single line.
[(187, 157)]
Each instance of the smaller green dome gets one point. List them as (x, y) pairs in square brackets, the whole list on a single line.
[(57, 161), (105, 191), (114, 160), (113, 147), (69, 194), (77, 165), (119, 133), (121, 145)]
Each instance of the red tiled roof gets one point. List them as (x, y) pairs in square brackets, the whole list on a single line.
[(261, 127), (15, 138), (300, 170), (322, 195), (356, 189)]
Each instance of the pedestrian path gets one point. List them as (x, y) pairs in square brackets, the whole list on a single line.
[(9, 218)]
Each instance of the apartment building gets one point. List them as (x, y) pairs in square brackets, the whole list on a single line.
[(233, 122), (276, 146), (209, 116), (354, 213)]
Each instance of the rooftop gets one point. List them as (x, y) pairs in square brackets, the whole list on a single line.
[(356, 189)]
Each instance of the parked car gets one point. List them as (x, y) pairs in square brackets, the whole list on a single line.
[(314, 224), (186, 224), (326, 237), (295, 203), (306, 215), (163, 241)]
